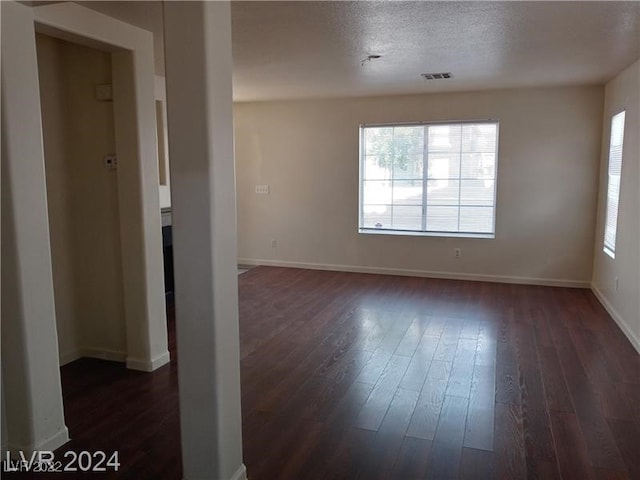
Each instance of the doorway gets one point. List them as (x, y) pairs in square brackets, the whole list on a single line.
[(34, 406), (82, 196), (127, 169)]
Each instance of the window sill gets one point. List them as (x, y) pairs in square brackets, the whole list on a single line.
[(409, 233)]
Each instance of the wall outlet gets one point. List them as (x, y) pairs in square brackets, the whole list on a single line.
[(262, 189), (457, 253), (274, 244)]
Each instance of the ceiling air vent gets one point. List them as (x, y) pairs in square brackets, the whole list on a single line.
[(436, 76)]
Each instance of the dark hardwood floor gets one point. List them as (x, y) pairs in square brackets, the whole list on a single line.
[(362, 376), (353, 376)]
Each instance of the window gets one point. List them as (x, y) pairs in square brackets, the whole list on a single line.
[(613, 183), (429, 179)]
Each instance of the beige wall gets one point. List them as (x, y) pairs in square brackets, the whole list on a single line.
[(307, 151), (622, 93), (83, 200)]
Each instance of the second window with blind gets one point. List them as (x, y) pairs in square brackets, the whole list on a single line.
[(429, 178), (614, 176)]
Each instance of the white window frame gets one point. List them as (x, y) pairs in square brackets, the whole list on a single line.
[(611, 224), (427, 233)]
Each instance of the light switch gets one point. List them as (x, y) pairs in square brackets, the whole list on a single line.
[(110, 162)]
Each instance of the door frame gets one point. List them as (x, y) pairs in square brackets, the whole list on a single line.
[(133, 74)]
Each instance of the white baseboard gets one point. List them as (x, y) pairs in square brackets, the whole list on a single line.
[(631, 336), (145, 365), (548, 282), (68, 357), (49, 444), (241, 473), (104, 354), (91, 352)]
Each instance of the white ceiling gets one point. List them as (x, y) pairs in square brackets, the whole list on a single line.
[(314, 49)]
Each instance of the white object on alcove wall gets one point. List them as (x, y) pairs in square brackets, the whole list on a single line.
[(110, 162)]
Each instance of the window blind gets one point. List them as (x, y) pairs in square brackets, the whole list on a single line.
[(429, 178), (613, 183)]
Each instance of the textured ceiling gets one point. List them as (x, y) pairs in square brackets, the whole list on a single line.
[(315, 49)]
